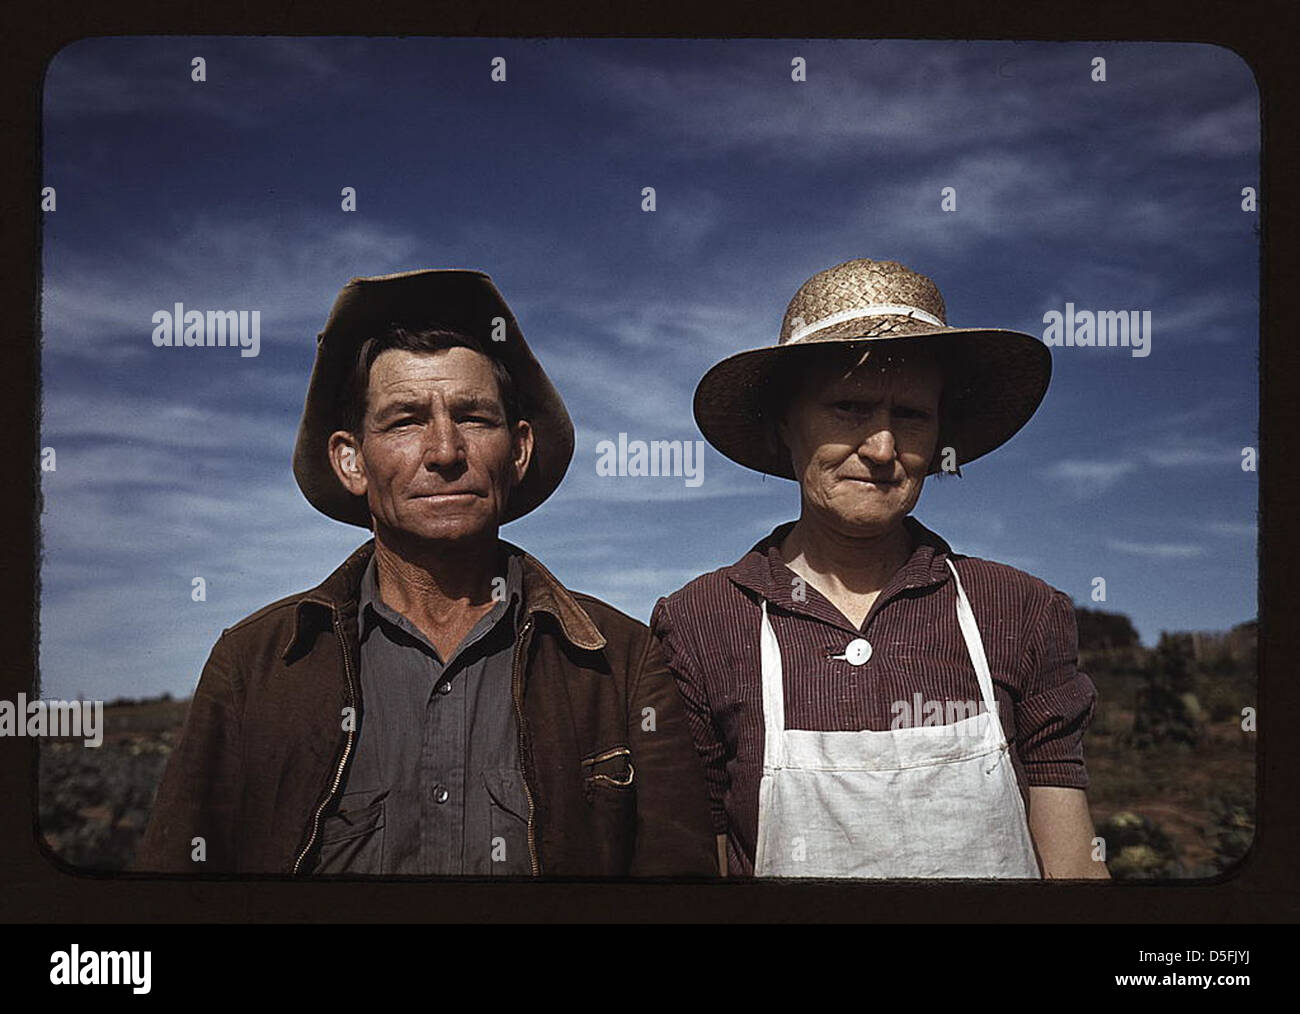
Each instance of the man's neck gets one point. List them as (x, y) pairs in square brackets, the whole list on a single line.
[(443, 590)]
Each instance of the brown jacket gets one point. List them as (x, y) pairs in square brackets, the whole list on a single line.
[(615, 786)]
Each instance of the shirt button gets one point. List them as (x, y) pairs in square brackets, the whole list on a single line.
[(440, 794), (444, 687), (857, 652)]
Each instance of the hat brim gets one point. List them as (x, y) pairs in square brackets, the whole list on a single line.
[(994, 381), (453, 299)]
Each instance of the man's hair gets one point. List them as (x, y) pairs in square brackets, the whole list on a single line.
[(784, 385), (426, 340)]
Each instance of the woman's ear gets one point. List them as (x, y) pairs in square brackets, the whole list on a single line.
[(775, 403), (943, 446)]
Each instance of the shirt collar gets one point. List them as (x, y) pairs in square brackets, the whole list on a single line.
[(338, 596), (371, 607), (763, 572)]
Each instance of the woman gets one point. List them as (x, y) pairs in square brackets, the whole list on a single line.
[(866, 702)]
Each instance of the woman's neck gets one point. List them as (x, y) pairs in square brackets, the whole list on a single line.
[(845, 564)]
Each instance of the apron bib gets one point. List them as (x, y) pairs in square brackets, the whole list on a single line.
[(925, 801)]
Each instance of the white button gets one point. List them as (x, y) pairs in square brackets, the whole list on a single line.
[(857, 652)]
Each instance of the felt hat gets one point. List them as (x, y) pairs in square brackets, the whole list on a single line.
[(450, 299)]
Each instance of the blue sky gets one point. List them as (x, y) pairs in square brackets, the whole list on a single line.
[(175, 463)]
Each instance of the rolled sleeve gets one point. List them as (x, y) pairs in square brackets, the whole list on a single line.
[(1058, 700), (699, 717)]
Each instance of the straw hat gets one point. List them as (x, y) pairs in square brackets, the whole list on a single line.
[(464, 301), (993, 381)]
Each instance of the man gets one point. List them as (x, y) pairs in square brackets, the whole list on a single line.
[(867, 702), (440, 704)]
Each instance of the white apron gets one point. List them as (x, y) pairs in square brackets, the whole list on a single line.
[(924, 801)]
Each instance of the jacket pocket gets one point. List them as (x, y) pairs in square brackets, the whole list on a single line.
[(609, 786), (612, 767), (508, 818), (352, 838)]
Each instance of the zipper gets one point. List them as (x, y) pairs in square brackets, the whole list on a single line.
[(347, 749), (515, 681)]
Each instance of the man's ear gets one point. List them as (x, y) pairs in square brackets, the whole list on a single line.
[(521, 445), (345, 458)]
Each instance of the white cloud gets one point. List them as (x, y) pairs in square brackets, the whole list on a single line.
[(135, 425), (1090, 477), (1157, 550), (248, 79), (1231, 529), (92, 301), (755, 107), (1194, 454), (1232, 129)]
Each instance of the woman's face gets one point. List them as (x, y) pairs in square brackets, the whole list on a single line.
[(861, 440)]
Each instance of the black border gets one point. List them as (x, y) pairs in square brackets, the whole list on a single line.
[(1264, 888)]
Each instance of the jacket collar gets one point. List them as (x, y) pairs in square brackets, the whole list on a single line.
[(763, 572), (543, 593), (339, 593)]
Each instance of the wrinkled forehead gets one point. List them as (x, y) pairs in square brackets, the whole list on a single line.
[(916, 371), (444, 370)]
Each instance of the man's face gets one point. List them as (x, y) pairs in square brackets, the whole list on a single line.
[(436, 460), (862, 442)]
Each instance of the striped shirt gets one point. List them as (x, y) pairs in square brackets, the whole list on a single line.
[(709, 631)]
